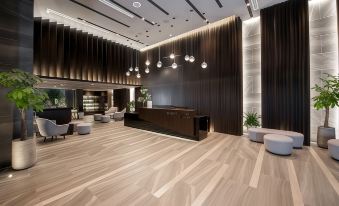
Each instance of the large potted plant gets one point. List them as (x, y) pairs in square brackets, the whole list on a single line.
[(328, 97), (145, 97), (251, 120), (131, 106), (25, 96)]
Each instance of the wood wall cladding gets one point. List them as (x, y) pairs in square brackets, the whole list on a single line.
[(66, 53), (16, 51), (285, 67), (215, 91)]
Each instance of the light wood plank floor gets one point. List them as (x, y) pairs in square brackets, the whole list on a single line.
[(117, 165)]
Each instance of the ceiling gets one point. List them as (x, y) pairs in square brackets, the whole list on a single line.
[(162, 18), (73, 84)]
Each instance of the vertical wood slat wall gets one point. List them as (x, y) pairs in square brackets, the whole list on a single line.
[(66, 53)]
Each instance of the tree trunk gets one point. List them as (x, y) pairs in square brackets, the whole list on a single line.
[(327, 110), (23, 125)]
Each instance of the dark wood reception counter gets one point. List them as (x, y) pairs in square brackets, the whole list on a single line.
[(179, 122)]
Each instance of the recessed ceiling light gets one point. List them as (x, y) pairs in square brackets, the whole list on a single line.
[(137, 4), (170, 35), (248, 4), (143, 18)]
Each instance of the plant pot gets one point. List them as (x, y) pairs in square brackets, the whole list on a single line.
[(23, 153), (149, 104), (324, 134)]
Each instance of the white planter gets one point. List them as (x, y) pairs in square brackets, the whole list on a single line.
[(23, 153), (149, 104)]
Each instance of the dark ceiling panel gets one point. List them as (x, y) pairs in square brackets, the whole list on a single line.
[(94, 24), (159, 7), (89, 8), (195, 9), (137, 15), (248, 5), (219, 3)]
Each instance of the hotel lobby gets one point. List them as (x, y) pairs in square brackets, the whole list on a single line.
[(178, 102)]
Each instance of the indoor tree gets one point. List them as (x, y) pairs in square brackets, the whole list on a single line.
[(328, 95), (23, 94)]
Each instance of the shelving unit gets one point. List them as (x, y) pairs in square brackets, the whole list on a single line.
[(95, 102)]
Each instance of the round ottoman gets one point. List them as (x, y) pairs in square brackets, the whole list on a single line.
[(105, 118), (278, 144), (84, 128), (333, 148), (97, 117)]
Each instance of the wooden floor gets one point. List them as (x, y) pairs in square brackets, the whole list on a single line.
[(116, 165)]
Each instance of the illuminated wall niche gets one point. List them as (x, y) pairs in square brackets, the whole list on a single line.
[(251, 66), (324, 54)]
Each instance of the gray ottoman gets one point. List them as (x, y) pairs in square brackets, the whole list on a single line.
[(97, 117), (278, 144), (105, 118), (84, 128), (333, 148)]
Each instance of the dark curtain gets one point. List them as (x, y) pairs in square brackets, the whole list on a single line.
[(215, 91), (66, 53), (286, 67)]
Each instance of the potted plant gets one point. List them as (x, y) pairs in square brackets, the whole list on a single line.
[(131, 106), (23, 94), (328, 97), (251, 120), (145, 97)]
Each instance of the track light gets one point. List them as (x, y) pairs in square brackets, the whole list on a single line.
[(117, 8)]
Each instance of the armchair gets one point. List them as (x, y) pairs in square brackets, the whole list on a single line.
[(119, 115), (111, 111), (48, 128)]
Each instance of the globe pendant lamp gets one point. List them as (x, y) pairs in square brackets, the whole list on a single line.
[(172, 56), (147, 70), (159, 64), (136, 69), (174, 65), (128, 73), (187, 57), (131, 69), (204, 65), (138, 76), (192, 59)]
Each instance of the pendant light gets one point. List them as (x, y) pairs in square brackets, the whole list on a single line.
[(187, 57), (128, 73), (172, 55), (147, 61), (192, 59), (159, 64), (204, 64), (138, 76), (147, 70), (136, 63), (174, 65)]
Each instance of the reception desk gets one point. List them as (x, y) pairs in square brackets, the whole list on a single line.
[(179, 122)]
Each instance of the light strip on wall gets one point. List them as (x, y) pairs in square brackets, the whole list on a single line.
[(50, 11), (255, 5), (117, 8)]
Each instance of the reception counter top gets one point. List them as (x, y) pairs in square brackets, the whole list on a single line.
[(180, 122)]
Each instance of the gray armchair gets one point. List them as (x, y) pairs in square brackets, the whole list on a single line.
[(119, 115), (111, 111), (48, 128)]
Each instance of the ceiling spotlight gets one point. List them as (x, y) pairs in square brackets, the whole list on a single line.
[(115, 7), (192, 59), (147, 70), (147, 62), (128, 73), (136, 69), (143, 18), (138, 76), (131, 69), (204, 65), (174, 65), (187, 57), (159, 64), (137, 4), (172, 56), (170, 35)]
